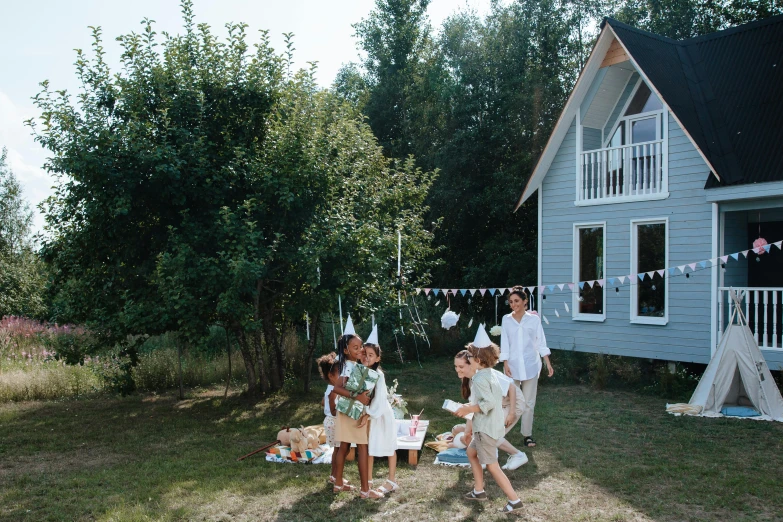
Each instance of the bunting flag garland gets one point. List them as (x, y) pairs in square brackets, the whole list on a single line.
[(611, 281), (545, 319)]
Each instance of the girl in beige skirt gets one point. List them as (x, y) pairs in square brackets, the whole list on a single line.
[(350, 351)]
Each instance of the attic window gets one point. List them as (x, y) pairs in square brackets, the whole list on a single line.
[(643, 101)]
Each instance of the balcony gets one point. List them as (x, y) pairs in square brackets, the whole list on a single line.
[(619, 174)]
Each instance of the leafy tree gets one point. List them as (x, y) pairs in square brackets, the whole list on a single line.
[(22, 278), (206, 184)]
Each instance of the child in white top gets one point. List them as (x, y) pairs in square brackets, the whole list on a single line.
[(383, 430), (330, 372)]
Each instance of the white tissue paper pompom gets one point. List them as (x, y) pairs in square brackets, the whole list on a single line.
[(495, 331), (449, 319)]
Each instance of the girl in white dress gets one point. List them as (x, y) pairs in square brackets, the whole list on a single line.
[(383, 430)]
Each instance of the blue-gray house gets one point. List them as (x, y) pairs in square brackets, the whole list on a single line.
[(666, 160)]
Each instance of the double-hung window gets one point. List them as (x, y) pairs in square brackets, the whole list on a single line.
[(589, 262), (649, 255)]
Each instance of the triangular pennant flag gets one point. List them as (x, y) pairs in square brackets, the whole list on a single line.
[(779, 244), (590, 283), (570, 286), (435, 291), (445, 291), (641, 277), (703, 264), (545, 319), (427, 291), (491, 291), (744, 253), (693, 266), (561, 285), (482, 291), (724, 258), (600, 283), (418, 291), (650, 274), (681, 268), (622, 279), (541, 288), (735, 255), (454, 291), (671, 270), (767, 247), (566, 307), (551, 288), (661, 272), (557, 313), (581, 285), (463, 291), (473, 291), (612, 280)]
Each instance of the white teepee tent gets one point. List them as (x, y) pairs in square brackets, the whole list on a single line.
[(738, 374)]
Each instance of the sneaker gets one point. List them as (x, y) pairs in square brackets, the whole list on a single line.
[(472, 495), (513, 509), (516, 460)]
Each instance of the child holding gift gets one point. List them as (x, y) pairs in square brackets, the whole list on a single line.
[(383, 430), (487, 425), (330, 372), (350, 351)]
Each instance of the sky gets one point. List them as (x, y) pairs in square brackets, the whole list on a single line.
[(38, 38)]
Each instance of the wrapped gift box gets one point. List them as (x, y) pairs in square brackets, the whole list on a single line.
[(360, 380)]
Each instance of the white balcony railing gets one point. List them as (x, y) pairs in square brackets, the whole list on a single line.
[(622, 173), (763, 310)]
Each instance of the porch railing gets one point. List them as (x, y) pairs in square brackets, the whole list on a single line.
[(763, 311), (628, 172)]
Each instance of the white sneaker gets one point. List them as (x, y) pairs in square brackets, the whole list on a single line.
[(516, 460)]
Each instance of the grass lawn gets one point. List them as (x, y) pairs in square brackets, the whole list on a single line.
[(602, 455)]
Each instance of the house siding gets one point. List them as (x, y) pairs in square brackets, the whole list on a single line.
[(686, 337), (591, 138)]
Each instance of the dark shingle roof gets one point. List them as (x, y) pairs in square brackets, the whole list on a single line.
[(726, 89)]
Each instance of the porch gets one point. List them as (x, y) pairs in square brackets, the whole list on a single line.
[(757, 278)]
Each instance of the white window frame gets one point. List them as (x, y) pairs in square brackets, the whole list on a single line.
[(642, 115), (575, 315), (635, 317)]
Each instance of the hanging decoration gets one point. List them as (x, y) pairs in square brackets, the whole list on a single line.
[(449, 319)]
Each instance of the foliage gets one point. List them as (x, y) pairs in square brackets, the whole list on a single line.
[(205, 184), (22, 276)]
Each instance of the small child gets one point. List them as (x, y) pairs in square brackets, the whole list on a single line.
[(330, 372), (383, 430), (487, 425)]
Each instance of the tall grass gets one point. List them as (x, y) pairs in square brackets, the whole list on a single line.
[(31, 370)]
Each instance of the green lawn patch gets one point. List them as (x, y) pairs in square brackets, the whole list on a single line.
[(602, 455)]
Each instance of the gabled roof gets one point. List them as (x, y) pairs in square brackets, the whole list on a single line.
[(725, 89)]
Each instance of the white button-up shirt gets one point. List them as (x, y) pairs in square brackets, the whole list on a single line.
[(523, 344)]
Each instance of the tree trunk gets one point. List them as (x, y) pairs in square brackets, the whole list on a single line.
[(179, 367), (262, 373), (228, 352), (310, 350), (246, 350), (274, 343)]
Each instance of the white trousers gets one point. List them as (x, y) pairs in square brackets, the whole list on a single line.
[(529, 391)]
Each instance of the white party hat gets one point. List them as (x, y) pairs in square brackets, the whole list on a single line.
[(348, 330), (482, 339), (373, 339)]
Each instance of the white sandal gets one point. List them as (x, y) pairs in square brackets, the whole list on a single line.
[(394, 487)]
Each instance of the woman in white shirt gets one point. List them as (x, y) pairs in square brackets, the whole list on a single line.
[(522, 346)]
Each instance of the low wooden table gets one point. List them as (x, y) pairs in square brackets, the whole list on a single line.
[(413, 447)]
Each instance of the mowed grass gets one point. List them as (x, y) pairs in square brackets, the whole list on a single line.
[(602, 455)]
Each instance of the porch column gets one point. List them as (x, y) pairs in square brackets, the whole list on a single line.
[(714, 278)]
